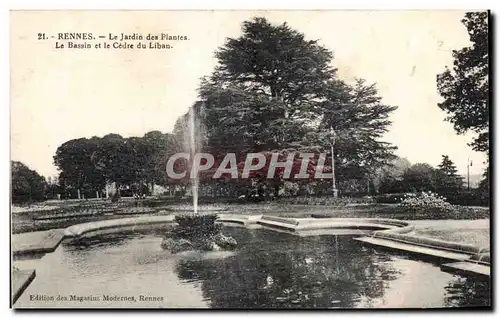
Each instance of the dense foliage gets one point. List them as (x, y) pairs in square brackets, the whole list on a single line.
[(426, 200), (88, 164), (196, 226), (429, 205), (273, 90), (27, 185), (465, 87)]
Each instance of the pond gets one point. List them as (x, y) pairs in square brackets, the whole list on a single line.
[(267, 270)]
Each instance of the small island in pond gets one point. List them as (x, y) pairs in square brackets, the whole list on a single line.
[(197, 232)]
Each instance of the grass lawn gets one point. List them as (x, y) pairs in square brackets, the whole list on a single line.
[(390, 211), (23, 222), (478, 237)]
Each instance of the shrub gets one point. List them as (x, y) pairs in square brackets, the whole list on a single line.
[(196, 226), (27, 185), (328, 200), (471, 213), (428, 201), (468, 198), (390, 198), (290, 189)]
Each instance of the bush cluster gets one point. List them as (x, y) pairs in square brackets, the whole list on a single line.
[(475, 197), (426, 200), (390, 198), (196, 226), (330, 201)]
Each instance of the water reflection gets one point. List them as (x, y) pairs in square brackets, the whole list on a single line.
[(468, 292), (99, 241), (277, 270), (268, 270)]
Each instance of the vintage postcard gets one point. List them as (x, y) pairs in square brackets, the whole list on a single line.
[(250, 159)]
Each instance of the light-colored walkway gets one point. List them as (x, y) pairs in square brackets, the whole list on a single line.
[(475, 232), (47, 241), (36, 242), (20, 281), (409, 247), (83, 228), (467, 268), (451, 224)]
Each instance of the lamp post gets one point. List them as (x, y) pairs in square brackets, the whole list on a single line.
[(469, 163), (334, 187)]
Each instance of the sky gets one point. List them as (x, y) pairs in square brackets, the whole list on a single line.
[(62, 94)]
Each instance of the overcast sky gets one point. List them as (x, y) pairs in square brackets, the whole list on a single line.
[(58, 95)]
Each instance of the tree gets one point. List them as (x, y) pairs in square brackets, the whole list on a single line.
[(157, 147), (388, 178), (447, 178), (484, 185), (53, 190), (419, 177), (27, 185), (265, 87), (360, 119), (274, 90), (89, 164), (75, 160), (112, 159), (277, 61), (465, 88)]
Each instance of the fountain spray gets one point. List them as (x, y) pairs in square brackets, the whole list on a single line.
[(192, 146)]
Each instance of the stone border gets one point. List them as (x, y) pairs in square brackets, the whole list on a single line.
[(430, 242), (280, 219), (89, 227), (302, 224), (48, 242), (21, 279), (385, 229), (389, 229)]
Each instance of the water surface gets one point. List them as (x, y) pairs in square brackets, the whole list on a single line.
[(268, 270)]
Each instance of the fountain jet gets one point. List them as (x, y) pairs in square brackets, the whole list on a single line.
[(192, 149)]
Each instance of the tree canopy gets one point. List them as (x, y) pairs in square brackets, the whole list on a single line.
[(27, 185), (465, 87), (447, 177), (275, 90), (89, 164)]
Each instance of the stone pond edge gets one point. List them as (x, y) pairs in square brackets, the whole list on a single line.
[(387, 229), (390, 229)]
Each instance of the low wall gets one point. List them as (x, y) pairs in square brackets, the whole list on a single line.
[(430, 242), (301, 224), (389, 229), (481, 257), (130, 223), (280, 219)]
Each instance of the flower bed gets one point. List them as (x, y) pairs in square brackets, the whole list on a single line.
[(433, 206), (330, 201)]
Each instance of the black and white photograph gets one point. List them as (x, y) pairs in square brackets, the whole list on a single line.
[(239, 159)]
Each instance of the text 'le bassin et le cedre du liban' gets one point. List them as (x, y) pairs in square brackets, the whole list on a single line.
[(117, 41)]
